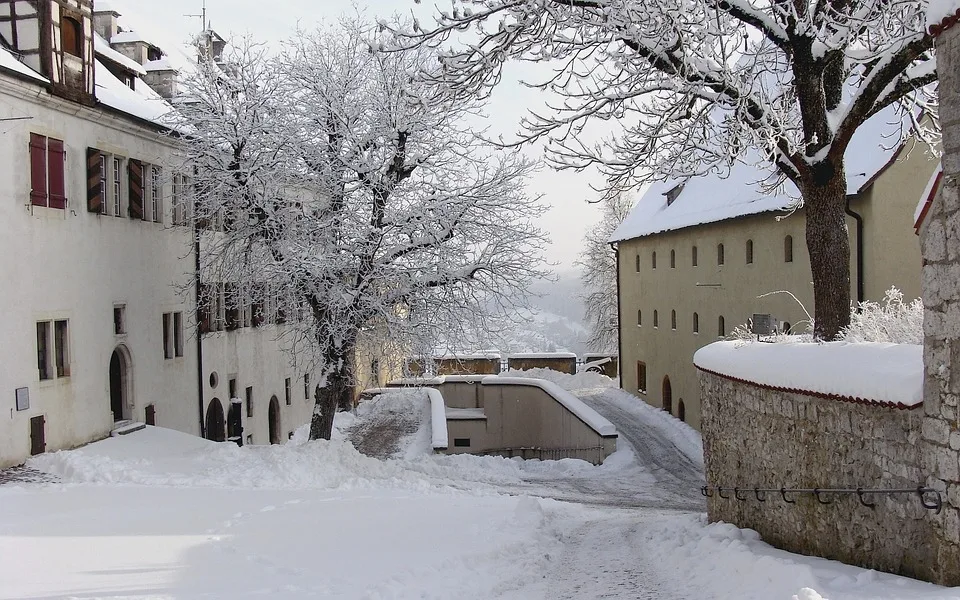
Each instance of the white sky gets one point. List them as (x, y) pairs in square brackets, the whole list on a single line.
[(165, 21)]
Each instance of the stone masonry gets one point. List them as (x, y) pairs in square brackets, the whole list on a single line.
[(757, 437), (940, 248)]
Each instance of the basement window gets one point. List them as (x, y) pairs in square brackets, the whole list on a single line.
[(461, 442)]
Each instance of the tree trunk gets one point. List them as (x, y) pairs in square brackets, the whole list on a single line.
[(336, 390), (828, 242)]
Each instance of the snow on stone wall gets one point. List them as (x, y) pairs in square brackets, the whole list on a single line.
[(759, 437)]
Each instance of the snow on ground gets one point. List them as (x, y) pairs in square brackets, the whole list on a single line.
[(158, 514)]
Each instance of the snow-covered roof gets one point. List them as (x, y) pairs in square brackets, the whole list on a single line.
[(162, 64), (103, 48), (124, 37), (10, 62), (104, 6), (926, 198), (741, 191), (942, 14), (863, 372), (142, 101)]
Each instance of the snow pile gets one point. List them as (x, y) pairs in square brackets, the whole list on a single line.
[(939, 11), (868, 372), (580, 381)]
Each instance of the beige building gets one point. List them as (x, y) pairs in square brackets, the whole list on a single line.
[(697, 260)]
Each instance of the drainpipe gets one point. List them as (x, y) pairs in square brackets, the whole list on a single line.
[(616, 258), (196, 278), (858, 249)]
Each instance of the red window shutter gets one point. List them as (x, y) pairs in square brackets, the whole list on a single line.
[(56, 161), (38, 169), (94, 191), (135, 181)]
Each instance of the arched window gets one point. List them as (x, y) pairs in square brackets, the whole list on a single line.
[(693, 256), (749, 252), (667, 395), (71, 36), (696, 323), (786, 327), (653, 260), (681, 410), (719, 254), (638, 263), (673, 259), (721, 327), (673, 319), (656, 319), (788, 249), (639, 318)]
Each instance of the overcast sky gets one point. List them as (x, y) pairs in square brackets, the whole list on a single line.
[(567, 193)]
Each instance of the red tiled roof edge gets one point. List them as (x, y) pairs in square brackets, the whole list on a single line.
[(946, 23), (838, 397)]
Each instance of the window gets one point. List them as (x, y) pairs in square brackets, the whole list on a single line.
[(71, 36), (721, 327), (117, 186), (232, 388), (673, 259), (749, 252), (638, 263), (306, 386), (103, 182), (172, 334), (57, 365), (788, 249), (786, 327), (673, 319), (639, 318), (179, 200), (641, 377), (461, 442), (47, 172), (178, 334), (287, 391), (719, 254), (656, 319), (249, 398), (693, 256), (696, 323), (681, 411), (653, 260), (119, 319), (167, 338), (156, 188)]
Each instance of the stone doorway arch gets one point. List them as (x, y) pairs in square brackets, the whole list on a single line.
[(273, 420), (215, 423), (120, 376), (667, 395)]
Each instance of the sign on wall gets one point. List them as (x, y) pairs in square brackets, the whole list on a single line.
[(23, 398)]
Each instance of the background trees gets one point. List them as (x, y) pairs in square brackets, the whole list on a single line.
[(696, 85), (340, 190)]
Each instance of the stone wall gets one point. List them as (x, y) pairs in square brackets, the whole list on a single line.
[(940, 239), (758, 437)]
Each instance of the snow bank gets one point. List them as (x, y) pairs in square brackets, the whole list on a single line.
[(586, 414), (863, 372), (438, 420)]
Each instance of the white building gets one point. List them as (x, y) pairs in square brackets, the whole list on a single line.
[(98, 272)]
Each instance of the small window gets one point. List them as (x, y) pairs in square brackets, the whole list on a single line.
[(653, 260), (249, 397), (673, 259), (696, 323), (43, 350), (71, 36), (167, 324), (788, 249), (641, 377), (673, 319), (638, 263), (461, 442), (306, 386), (60, 345), (156, 189), (719, 254), (117, 186), (786, 327), (119, 319), (178, 334), (639, 318), (749, 252), (232, 388), (656, 319), (693, 256), (721, 327), (288, 391)]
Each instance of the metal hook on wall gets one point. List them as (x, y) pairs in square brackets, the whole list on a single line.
[(937, 503), (817, 492), (736, 494), (783, 494), (864, 502), (720, 493), (756, 492), (706, 491)]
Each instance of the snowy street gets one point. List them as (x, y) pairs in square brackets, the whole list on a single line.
[(160, 514)]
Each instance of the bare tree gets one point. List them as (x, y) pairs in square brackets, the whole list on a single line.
[(598, 273), (354, 198), (699, 84)]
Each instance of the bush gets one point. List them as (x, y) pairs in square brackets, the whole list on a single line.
[(888, 321)]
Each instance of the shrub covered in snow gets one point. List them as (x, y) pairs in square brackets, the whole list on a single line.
[(888, 321)]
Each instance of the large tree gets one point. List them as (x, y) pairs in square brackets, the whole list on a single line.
[(698, 84), (338, 186)]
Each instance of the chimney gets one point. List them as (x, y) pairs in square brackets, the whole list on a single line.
[(162, 77), (105, 20)]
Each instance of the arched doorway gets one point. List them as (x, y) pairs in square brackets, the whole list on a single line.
[(235, 424), (215, 422), (273, 420), (667, 395), (681, 410), (120, 384)]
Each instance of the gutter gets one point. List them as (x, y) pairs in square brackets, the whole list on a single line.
[(859, 247), (196, 277), (616, 255)]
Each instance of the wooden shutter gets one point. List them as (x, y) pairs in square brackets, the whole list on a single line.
[(135, 180), (150, 415), (38, 442), (38, 169), (94, 191), (56, 166)]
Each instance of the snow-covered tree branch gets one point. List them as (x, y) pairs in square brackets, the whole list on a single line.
[(342, 190), (697, 85)]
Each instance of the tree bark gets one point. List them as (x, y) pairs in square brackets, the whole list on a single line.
[(336, 390), (828, 243)]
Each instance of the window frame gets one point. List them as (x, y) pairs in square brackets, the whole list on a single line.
[(720, 255), (693, 257), (156, 194), (116, 181), (788, 249), (696, 323), (749, 252)]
